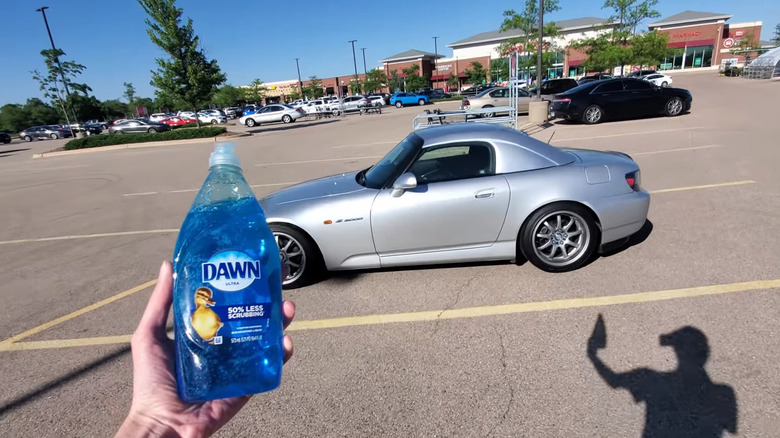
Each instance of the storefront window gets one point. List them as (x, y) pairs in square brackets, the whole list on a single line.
[(692, 57)]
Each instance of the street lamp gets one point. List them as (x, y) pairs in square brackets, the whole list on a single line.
[(539, 52), (42, 10), (354, 59), (300, 82), (436, 58), (365, 70)]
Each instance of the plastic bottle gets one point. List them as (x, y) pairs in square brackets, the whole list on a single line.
[(227, 290)]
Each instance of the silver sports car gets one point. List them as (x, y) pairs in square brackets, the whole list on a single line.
[(460, 193)]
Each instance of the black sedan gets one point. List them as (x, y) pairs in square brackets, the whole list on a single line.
[(137, 125), (5, 137), (597, 101)]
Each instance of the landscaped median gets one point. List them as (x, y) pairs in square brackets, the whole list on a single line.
[(95, 141)]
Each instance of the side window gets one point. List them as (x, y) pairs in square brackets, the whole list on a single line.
[(609, 87), (497, 93), (637, 84), (453, 162)]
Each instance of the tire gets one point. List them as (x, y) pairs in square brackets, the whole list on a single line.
[(547, 236), (286, 118), (488, 114), (664, 84), (421, 102), (54, 136), (213, 121), (119, 132), (592, 115), (398, 104), (151, 131), (250, 122), (296, 248), (27, 138), (674, 107)]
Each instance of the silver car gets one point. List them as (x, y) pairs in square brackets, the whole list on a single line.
[(460, 193), (44, 132), (497, 97), (277, 112)]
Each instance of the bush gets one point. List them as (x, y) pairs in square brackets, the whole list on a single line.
[(94, 141), (188, 125)]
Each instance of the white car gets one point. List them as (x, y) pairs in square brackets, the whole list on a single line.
[(212, 117), (277, 112), (377, 100), (158, 116), (314, 107), (185, 114), (658, 79)]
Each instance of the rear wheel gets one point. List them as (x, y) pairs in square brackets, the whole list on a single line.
[(27, 138), (488, 114), (54, 136), (664, 84), (592, 114), (421, 102), (213, 121), (398, 104), (559, 237), (286, 118), (674, 107), (299, 253), (151, 130), (250, 122)]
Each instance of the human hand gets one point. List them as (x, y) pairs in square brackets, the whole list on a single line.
[(157, 410), (598, 339)]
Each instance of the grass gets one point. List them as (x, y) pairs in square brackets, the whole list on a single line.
[(95, 141)]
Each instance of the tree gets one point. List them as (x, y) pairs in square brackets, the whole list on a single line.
[(776, 36), (527, 22), (15, 117), (186, 75), (228, 95), (412, 80), (84, 107), (651, 47), (113, 109), (60, 72), (295, 95), (355, 86), (395, 82), (256, 91), (313, 90), (376, 79), (453, 81), (476, 74), (129, 93)]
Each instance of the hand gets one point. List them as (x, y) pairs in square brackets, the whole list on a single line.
[(598, 339), (156, 409)]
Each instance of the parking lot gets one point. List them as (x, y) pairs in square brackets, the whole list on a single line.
[(488, 349)]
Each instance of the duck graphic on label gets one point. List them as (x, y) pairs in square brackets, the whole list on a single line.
[(204, 320)]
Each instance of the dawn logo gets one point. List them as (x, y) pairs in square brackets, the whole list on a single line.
[(231, 271)]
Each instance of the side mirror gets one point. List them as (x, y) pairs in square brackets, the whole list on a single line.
[(404, 182)]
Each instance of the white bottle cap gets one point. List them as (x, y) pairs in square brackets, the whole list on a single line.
[(224, 154)]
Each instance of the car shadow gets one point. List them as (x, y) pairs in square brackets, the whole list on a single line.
[(294, 125), (11, 152), (343, 277)]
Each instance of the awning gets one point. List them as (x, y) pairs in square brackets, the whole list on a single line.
[(692, 43), (575, 63), (442, 77)]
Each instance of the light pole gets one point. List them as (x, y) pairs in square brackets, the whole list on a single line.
[(365, 70), (436, 58), (300, 82), (42, 10), (539, 52), (354, 59)]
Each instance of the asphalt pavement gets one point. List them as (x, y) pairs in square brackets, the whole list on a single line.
[(487, 349)]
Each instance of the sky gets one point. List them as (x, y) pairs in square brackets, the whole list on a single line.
[(261, 39)]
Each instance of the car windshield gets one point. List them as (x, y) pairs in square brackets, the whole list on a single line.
[(392, 164)]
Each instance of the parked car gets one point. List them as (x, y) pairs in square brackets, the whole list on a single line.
[(459, 193), (597, 101), (96, 122), (232, 112), (438, 93), (91, 129), (251, 109), (594, 77), (156, 117), (177, 121), (554, 86), (212, 117), (5, 137), (137, 125), (349, 104), (314, 107), (639, 73), (43, 132), (276, 112), (377, 100), (401, 99), (658, 79), (494, 97), (187, 114), (474, 90)]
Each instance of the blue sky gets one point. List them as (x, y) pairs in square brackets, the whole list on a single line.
[(261, 39)]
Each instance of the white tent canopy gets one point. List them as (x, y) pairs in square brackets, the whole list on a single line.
[(765, 66)]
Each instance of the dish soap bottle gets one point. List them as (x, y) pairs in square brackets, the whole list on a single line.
[(227, 290)]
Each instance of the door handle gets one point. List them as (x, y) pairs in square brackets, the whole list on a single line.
[(487, 193)]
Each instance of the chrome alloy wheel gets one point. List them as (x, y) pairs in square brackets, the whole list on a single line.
[(674, 106), (292, 255), (561, 238), (593, 114)]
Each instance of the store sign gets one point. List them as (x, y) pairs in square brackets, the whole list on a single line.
[(697, 62), (444, 67), (739, 33), (679, 35), (728, 42)]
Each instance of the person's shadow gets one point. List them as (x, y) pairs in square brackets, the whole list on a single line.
[(680, 403)]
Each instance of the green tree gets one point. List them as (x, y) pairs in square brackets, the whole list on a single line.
[(15, 117), (650, 47), (84, 107), (113, 109), (355, 86), (526, 21), (228, 95), (476, 74), (313, 90), (256, 91), (396, 81), (376, 79), (295, 95), (59, 78), (776, 36), (129, 93), (413, 81), (186, 74), (453, 81)]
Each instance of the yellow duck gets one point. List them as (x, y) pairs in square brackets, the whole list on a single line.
[(205, 321)]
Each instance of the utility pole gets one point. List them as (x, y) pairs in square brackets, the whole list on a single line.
[(539, 52), (354, 59), (300, 82), (42, 10), (436, 59), (365, 70)]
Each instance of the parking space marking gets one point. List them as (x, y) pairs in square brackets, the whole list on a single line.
[(195, 190), (323, 160), (434, 315), (664, 151), (706, 186), (625, 134), (26, 334), (90, 236)]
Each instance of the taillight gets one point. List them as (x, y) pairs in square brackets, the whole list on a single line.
[(633, 180), (466, 102)]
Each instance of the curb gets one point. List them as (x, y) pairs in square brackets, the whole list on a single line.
[(150, 144)]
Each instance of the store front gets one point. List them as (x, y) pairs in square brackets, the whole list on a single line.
[(694, 56)]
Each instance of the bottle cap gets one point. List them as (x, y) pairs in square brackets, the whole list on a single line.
[(224, 154)]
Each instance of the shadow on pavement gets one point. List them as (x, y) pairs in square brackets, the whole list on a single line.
[(73, 375), (294, 125), (635, 239), (10, 152), (681, 403), (338, 277)]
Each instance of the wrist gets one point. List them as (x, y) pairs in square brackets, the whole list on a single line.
[(137, 425)]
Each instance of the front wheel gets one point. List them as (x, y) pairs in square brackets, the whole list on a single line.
[(398, 104), (151, 131), (250, 122), (299, 254), (213, 121), (559, 237), (27, 138), (592, 115), (286, 118), (54, 136), (421, 102), (674, 107), (664, 84)]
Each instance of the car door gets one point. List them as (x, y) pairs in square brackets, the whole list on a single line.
[(611, 97), (135, 126), (500, 97), (459, 204), (263, 115), (640, 97)]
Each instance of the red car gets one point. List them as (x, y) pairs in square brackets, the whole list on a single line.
[(177, 121)]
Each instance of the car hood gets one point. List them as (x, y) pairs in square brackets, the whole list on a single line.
[(330, 186)]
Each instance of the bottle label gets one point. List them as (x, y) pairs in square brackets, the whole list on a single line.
[(220, 314)]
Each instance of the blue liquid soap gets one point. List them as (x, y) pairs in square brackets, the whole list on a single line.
[(227, 290)]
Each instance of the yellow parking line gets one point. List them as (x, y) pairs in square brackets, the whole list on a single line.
[(706, 186), (90, 236), (468, 312), (10, 341)]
